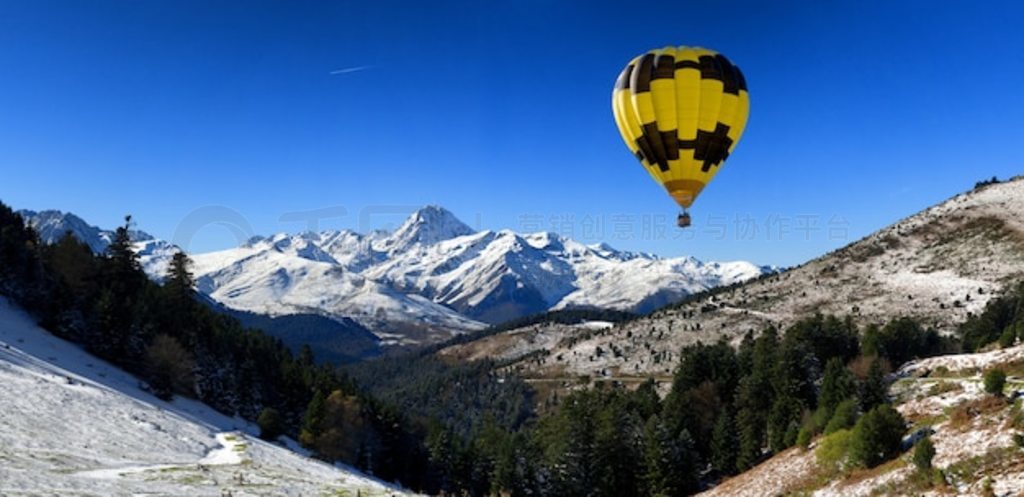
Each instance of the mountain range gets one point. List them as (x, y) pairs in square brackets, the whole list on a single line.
[(430, 278)]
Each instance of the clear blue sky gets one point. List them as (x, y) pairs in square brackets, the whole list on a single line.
[(862, 113)]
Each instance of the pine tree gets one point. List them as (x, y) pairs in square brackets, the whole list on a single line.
[(618, 444), (784, 423), (118, 306), (876, 437), (724, 445), (515, 467), (578, 469), (179, 300), (670, 461), (837, 386), (751, 439), (441, 447), (753, 401), (873, 389), (312, 423)]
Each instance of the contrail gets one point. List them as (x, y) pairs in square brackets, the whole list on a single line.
[(348, 70)]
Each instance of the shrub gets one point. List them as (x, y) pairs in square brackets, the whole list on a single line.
[(944, 387), (995, 380), (1008, 337), (833, 451), (845, 416), (966, 412), (271, 424), (924, 452), (169, 367), (803, 439), (876, 436)]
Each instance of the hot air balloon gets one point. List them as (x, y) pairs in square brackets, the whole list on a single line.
[(681, 111)]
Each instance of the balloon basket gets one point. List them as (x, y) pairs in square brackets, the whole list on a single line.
[(683, 220)]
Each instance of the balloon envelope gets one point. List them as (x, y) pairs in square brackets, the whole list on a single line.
[(681, 111)]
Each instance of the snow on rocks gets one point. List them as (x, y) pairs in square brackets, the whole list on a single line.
[(963, 362)]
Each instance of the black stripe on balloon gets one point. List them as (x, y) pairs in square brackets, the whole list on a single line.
[(653, 137), (659, 147), (730, 82), (712, 148), (664, 67), (644, 149), (640, 80), (709, 68), (717, 67), (671, 141)]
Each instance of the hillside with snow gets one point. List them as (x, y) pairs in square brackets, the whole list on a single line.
[(73, 425), (432, 277), (972, 432), (937, 266)]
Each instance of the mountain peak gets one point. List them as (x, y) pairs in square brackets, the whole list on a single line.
[(427, 226), (53, 224)]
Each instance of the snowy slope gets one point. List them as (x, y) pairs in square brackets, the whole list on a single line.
[(71, 424), (970, 453), (937, 266), (431, 278)]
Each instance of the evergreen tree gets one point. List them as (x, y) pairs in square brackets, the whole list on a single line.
[(784, 423), (312, 423), (844, 416), (837, 386), (795, 370), (179, 300), (118, 305), (724, 445), (670, 461), (995, 381), (753, 402), (271, 424), (873, 390), (515, 471), (444, 458), (619, 449), (751, 439), (876, 437), (645, 400)]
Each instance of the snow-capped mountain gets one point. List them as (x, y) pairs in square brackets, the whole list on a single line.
[(431, 277), (52, 225)]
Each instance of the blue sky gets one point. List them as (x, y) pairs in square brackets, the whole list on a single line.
[(861, 113)]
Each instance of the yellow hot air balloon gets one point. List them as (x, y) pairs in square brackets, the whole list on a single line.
[(681, 111)]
